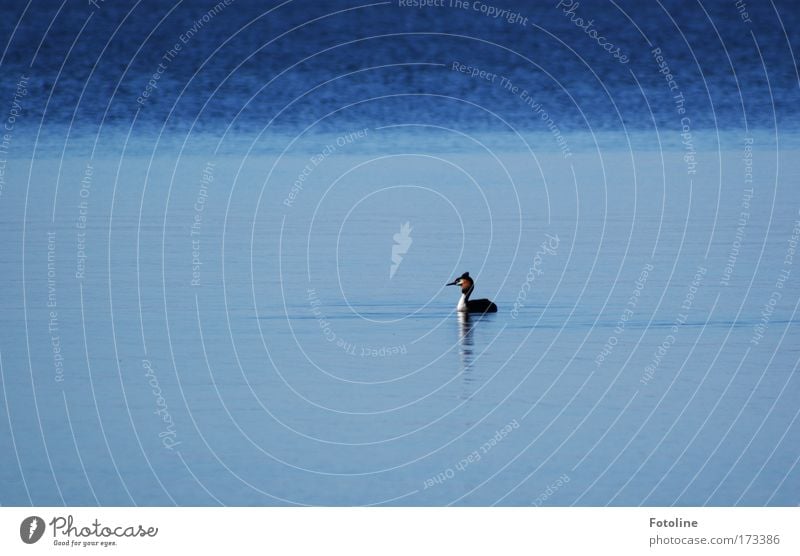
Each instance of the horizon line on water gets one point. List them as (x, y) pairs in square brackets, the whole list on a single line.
[(393, 140)]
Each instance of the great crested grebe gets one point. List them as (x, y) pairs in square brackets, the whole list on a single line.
[(476, 305)]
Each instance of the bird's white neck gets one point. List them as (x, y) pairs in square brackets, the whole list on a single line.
[(462, 303)]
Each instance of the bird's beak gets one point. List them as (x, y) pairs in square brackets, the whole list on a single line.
[(453, 283)]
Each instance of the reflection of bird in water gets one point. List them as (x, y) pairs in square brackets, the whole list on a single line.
[(465, 350), (465, 338)]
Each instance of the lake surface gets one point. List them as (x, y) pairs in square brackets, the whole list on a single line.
[(232, 290)]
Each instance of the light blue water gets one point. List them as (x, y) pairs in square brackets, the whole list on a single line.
[(298, 371), (209, 298)]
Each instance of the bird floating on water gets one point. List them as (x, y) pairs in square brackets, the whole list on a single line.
[(465, 305)]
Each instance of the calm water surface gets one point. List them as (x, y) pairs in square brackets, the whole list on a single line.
[(234, 291)]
